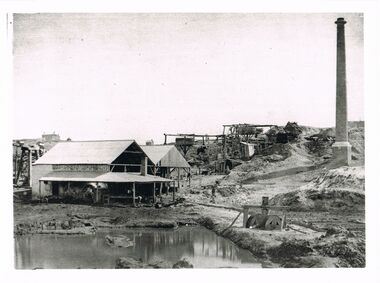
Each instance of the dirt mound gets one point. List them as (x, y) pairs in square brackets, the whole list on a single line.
[(278, 157), (313, 147), (201, 154), (290, 250), (344, 178), (357, 141), (183, 263), (226, 191), (283, 150), (341, 188), (346, 246), (320, 144)]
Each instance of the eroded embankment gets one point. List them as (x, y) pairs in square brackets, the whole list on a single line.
[(341, 188), (301, 247), (288, 248)]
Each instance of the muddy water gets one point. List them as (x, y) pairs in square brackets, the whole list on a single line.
[(203, 248)]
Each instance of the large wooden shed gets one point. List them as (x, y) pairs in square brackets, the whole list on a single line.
[(117, 169)]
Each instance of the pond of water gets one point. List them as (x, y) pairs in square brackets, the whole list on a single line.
[(202, 247)]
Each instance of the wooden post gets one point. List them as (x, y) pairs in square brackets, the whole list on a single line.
[(97, 194), (15, 167), (160, 189), (165, 139), (283, 221), (245, 216), (68, 187), (39, 189), (179, 184), (174, 192), (154, 192), (264, 204), (30, 168), (134, 194)]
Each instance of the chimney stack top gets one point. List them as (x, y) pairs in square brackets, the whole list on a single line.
[(340, 21)]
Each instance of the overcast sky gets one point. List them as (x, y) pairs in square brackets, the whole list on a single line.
[(121, 76)]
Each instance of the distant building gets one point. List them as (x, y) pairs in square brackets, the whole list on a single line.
[(149, 142), (51, 137)]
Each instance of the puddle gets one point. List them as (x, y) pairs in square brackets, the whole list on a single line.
[(203, 248)]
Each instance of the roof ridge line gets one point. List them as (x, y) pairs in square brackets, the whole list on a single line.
[(96, 141)]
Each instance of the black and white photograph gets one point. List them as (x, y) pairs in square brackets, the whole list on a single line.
[(197, 140)]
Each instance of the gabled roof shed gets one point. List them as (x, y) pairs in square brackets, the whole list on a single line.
[(86, 152), (165, 156)]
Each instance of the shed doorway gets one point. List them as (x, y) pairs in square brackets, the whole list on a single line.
[(55, 189)]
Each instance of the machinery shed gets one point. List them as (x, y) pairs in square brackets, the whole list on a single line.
[(168, 162), (103, 169)]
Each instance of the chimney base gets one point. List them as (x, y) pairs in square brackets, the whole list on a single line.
[(341, 154)]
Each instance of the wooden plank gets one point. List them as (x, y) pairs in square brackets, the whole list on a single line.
[(233, 222), (266, 206), (21, 190), (217, 206)]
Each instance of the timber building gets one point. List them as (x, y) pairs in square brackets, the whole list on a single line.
[(99, 171)]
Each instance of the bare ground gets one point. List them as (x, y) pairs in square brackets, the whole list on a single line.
[(314, 239)]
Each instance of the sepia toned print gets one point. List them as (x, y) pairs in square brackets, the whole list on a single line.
[(188, 141)]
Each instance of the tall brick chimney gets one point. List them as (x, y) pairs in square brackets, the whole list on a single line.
[(341, 147)]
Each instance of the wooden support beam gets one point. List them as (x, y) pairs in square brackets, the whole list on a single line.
[(133, 151), (134, 194), (161, 189), (129, 164), (233, 222), (179, 182)]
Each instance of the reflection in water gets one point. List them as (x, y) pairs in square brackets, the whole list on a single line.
[(203, 248)]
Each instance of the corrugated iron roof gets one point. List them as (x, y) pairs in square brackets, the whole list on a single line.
[(121, 177), (156, 152), (71, 176), (109, 177), (165, 156), (84, 152)]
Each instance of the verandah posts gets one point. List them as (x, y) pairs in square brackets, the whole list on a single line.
[(134, 194)]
